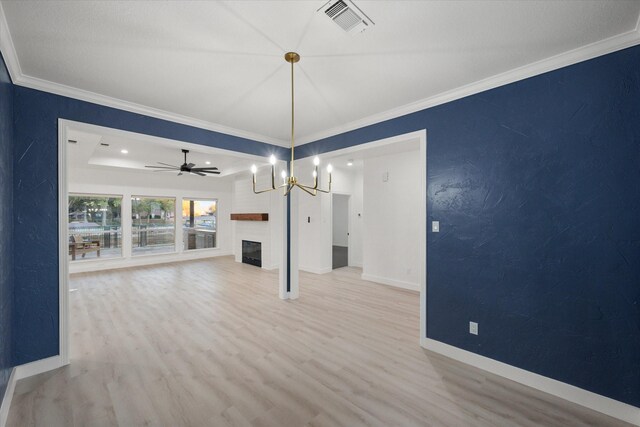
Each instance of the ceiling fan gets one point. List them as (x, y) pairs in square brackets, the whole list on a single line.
[(185, 167)]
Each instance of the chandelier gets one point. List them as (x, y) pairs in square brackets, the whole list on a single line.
[(290, 181)]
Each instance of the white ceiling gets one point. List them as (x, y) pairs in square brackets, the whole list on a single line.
[(222, 62), (88, 152)]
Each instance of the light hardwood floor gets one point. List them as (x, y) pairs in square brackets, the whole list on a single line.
[(208, 343)]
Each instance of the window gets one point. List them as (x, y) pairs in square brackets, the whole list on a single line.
[(95, 227), (199, 223), (153, 225)]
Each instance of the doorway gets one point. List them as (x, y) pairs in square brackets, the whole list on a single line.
[(340, 221)]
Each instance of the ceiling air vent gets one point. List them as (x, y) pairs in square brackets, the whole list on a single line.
[(347, 16)]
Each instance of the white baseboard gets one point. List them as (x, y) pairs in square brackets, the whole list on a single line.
[(582, 397), (391, 282), (316, 270), (142, 260), (24, 371), (8, 396), (38, 367)]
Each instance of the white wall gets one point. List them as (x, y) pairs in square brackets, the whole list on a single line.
[(357, 221), (131, 183), (391, 241), (340, 222), (314, 223), (268, 233), (316, 236)]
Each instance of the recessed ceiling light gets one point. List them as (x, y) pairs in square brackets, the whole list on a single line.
[(124, 151), (350, 163), (208, 163)]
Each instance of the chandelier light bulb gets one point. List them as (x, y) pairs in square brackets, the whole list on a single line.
[(272, 159), (254, 169), (283, 174), (316, 160), (329, 168)]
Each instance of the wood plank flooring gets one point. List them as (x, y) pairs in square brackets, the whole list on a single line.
[(208, 343)]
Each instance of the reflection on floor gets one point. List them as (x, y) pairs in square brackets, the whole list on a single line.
[(208, 343), (340, 256)]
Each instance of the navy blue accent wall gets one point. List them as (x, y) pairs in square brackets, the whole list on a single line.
[(6, 224), (536, 185), (36, 113)]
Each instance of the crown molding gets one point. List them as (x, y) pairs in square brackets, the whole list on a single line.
[(7, 49), (590, 51), (19, 78), (584, 53), (95, 98)]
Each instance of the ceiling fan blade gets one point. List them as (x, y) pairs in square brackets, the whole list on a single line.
[(179, 173), (204, 169), (166, 164), (198, 173), (190, 165), (162, 167)]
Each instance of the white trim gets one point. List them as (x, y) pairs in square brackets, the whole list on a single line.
[(584, 53), (144, 260), (564, 59), (422, 229), (7, 48), (107, 101), (6, 399), (391, 282), (294, 245), (63, 248), (421, 135), (582, 397), (39, 366), (315, 270)]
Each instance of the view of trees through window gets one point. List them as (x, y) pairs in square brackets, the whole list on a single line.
[(153, 225), (95, 226), (199, 223)]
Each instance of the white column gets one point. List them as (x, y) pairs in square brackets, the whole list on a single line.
[(294, 273)]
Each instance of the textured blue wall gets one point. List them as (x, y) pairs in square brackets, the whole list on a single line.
[(6, 224), (536, 186), (36, 113)]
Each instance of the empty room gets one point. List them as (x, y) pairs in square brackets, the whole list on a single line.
[(320, 213)]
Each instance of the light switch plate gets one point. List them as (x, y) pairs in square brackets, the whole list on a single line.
[(473, 328), (435, 226)]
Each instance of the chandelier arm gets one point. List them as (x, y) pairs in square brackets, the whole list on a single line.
[(288, 190), (304, 188), (315, 178), (273, 177), (316, 189)]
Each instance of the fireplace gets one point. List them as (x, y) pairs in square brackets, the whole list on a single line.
[(252, 253)]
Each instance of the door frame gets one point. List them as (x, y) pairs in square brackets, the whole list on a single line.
[(64, 125), (421, 135), (349, 195)]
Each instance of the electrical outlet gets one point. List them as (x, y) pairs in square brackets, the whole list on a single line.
[(473, 328)]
